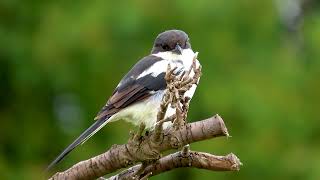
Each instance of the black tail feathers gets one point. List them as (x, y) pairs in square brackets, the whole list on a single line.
[(81, 139)]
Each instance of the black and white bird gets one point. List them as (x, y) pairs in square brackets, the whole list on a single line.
[(137, 97)]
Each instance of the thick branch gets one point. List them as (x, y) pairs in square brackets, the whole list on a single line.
[(193, 159), (122, 156)]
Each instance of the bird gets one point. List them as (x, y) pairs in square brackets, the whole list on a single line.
[(136, 99)]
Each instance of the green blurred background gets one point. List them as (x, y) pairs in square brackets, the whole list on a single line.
[(60, 61)]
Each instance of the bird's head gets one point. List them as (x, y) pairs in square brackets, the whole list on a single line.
[(171, 40)]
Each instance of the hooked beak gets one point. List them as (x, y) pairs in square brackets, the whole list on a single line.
[(177, 49)]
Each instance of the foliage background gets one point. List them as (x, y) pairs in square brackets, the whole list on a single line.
[(60, 60)]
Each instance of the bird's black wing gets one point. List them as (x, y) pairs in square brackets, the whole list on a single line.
[(130, 90)]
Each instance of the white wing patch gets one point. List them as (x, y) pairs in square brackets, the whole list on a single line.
[(181, 61), (156, 69)]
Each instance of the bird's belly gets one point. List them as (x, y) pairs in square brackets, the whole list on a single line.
[(141, 112), (146, 111)]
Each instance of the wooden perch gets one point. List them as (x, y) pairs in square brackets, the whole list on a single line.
[(199, 160), (122, 156)]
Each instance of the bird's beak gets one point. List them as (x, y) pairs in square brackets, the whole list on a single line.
[(178, 49)]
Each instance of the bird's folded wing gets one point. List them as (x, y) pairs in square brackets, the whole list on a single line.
[(132, 89)]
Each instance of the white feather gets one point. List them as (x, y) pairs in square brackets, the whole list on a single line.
[(156, 69)]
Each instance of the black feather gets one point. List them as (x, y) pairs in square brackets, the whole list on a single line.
[(78, 141)]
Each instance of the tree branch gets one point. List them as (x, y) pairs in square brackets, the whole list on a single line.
[(122, 156), (199, 160)]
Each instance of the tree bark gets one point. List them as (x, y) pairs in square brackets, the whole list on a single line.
[(122, 156), (193, 159)]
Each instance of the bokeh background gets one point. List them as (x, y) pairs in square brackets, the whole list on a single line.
[(60, 61)]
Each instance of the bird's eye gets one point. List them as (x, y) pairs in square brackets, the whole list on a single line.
[(165, 47)]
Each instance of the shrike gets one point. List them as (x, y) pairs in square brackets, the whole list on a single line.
[(137, 97)]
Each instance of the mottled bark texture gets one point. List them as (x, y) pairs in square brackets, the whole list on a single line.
[(199, 160), (122, 156)]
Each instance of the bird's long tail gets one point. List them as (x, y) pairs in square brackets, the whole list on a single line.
[(95, 127)]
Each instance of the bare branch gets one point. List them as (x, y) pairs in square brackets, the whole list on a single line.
[(199, 160), (122, 156)]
